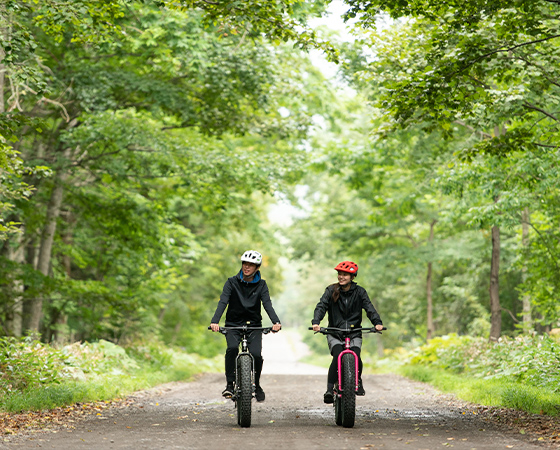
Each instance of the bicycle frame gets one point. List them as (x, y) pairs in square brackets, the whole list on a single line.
[(347, 340), (347, 385)]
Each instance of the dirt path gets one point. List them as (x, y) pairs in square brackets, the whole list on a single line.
[(395, 414)]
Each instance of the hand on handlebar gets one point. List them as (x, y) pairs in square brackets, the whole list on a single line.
[(215, 327), (276, 327), (380, 327), (316, 327)]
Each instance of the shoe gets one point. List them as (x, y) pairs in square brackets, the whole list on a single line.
[(259, 394), (228, 391), (360, 390), (328, 397)]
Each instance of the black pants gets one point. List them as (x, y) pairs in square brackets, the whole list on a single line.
[(254, 344), (332, 378)]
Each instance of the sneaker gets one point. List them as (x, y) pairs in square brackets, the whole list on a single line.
[(228, 391), (360, 390), (328, 397), (259, 394)]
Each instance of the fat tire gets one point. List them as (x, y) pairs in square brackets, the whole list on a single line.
[(348, 390), (244, 390)]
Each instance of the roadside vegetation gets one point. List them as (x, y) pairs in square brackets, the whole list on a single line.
[(521, 373), (36, 376)]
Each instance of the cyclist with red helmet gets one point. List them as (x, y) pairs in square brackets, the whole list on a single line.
[(243, 295), (344, 301)]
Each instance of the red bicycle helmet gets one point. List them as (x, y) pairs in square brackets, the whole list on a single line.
[(347, 266)]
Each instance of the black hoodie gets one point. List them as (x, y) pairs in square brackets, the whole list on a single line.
[(243, 300), (347, 310)]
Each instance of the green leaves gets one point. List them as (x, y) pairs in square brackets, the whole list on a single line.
[(165, 127)]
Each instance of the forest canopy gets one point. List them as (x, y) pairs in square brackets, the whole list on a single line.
[(144, 142)]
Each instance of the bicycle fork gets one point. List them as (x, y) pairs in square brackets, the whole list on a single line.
[(244, 352), (344, 352)]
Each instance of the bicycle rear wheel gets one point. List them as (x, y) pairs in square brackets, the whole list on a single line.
[(348, 390), (244, 390)]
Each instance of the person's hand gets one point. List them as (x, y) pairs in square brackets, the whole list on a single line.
[(379, 327), (316, 327), (276, 327), (215, 327)]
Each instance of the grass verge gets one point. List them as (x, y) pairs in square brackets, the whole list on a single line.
[(489, 392), (101, 387)]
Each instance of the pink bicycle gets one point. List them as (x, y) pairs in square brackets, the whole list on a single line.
[(347, 385)]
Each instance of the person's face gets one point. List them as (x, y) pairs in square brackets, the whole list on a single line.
[(249, 269), (344, 278)]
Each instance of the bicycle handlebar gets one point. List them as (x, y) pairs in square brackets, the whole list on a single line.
[(332, 330), (265, 330)]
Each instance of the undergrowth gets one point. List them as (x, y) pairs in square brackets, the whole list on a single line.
[(35, 376), (521, 373)]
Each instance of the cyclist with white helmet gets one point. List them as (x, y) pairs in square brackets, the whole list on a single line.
[(243, 295)]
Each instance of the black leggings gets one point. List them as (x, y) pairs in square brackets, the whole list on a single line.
[(254, 344), (333, 369)]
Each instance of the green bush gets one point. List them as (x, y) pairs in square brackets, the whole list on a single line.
[(27, 363), (533, 360), (36, 376)]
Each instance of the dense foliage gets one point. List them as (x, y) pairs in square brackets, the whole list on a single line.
[(146, 139), (142, 142), (447, 197)]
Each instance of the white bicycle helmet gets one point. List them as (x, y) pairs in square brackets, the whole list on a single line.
[(252, 256)]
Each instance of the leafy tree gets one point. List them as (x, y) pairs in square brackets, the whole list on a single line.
[(157, 143), (466, 64)]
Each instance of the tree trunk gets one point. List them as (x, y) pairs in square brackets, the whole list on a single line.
[(16, 254), (30, 259), (60, 325), (495, 309), (527, 319), (5, 36), (47, 239), (429, 305), (2, 78)]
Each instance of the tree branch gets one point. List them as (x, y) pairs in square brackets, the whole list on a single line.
[(545, 145), (502, 50), (529, 63), (548, 249), (542, 111), (511, 314)]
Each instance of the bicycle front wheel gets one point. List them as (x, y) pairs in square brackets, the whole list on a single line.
[(348, 390), (244, 389)]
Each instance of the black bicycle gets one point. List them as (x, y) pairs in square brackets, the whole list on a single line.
[(244, 389), (347, 385)]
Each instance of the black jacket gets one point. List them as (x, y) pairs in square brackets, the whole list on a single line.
[(243, 301), (347, 311)]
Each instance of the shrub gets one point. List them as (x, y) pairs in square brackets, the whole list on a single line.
[(26, 363), (534, 360)]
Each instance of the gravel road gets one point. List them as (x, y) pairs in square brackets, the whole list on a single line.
[(395, 414)]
